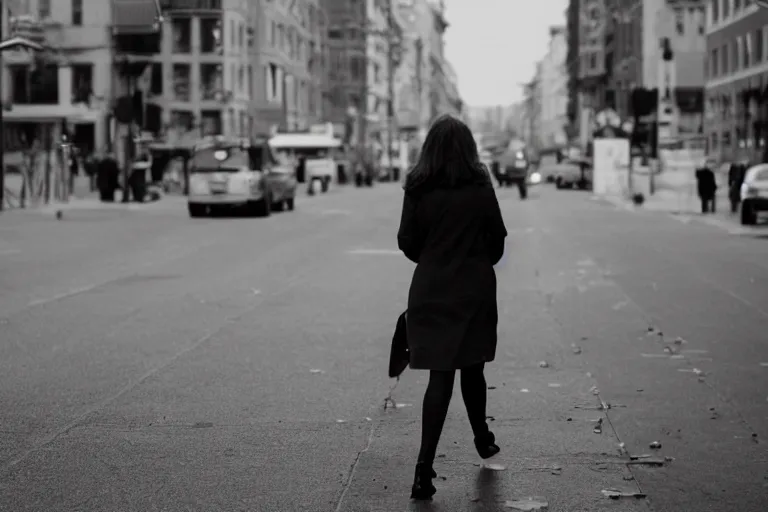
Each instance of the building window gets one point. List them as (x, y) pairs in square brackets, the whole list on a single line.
[(714, 64), (273, 34), (38, 87), (211, 122), (726, 8), (211, 81), (274, 83), (182, 119), (156, 82), (82, 83), (181, 29), (241, 36), (736, 6), (250, 82), (724, 69), (232, 34), (77, 12), (715, 6), (181, 82), (44, 9), (680, 22), (211, 36), (747, 56), (241, 80)]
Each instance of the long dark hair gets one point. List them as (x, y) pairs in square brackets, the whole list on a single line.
[(448, 159)]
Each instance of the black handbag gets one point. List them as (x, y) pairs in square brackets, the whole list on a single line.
[(399, 355)]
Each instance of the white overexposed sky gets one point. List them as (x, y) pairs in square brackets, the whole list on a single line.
[(495, 44)]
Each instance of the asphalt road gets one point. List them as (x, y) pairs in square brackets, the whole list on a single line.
[(153, 362)]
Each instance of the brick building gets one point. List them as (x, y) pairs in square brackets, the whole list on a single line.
[(737, 80)]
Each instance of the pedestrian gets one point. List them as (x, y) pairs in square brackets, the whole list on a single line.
[(452, 228), (707, 186), (736, 175)]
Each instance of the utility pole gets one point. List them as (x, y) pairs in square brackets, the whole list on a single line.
[(391, 41)]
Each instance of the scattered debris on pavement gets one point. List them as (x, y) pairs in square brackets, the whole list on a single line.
[(554, 385), (494, 467), (524, 390), (598, 428), (316, 370), (527, 504), (543, 364), (556, 470), (341, 421), (616, 494), (655, 445), (576, 349)]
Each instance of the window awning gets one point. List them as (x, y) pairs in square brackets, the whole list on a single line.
[(135, 17)]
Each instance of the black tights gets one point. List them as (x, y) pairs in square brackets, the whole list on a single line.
[(438, 398)]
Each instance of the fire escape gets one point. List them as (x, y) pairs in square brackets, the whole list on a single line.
[(136, 38)]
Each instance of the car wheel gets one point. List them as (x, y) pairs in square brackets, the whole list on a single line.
[(748, 216), (261, 208), (559, 183), (278, 206), (289, 203), (196, 210), (325, 185)]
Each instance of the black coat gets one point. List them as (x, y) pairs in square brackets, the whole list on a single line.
[(706, 184), (455, 236)]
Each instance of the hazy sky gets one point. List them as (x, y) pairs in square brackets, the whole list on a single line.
[(494, 45)]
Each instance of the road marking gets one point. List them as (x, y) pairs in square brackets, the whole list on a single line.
[(764, 365), (65, 295), (388, 252)]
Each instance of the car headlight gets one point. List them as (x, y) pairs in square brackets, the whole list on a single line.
[(535, 178)]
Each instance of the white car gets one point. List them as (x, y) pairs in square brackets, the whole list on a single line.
[(754, 194)]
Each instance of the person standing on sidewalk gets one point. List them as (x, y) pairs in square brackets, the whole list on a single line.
[(735, 179), (452, 228), (707, 187)]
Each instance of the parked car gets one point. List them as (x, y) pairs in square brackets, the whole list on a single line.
[(754, 194), (236, 173)]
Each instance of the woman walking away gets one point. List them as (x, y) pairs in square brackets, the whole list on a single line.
[(451, 226)]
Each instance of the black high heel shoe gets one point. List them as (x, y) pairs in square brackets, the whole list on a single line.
[(486, 445), (422, 482)]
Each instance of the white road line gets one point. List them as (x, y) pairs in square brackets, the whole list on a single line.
[(371, 252), (64, 295)]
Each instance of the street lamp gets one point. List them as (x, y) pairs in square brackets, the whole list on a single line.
[(14, 43)]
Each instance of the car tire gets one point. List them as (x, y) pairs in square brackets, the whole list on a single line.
[(279, 206), (196, 210), (261, 208), (289, 203), (325, 185), (748, 216), (559, 183)]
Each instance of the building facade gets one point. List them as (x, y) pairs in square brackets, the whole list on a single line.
[(238, 68), (737, 80), (359, 55), (71, 86), (201, 82), (291, 61), (554, 90)]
